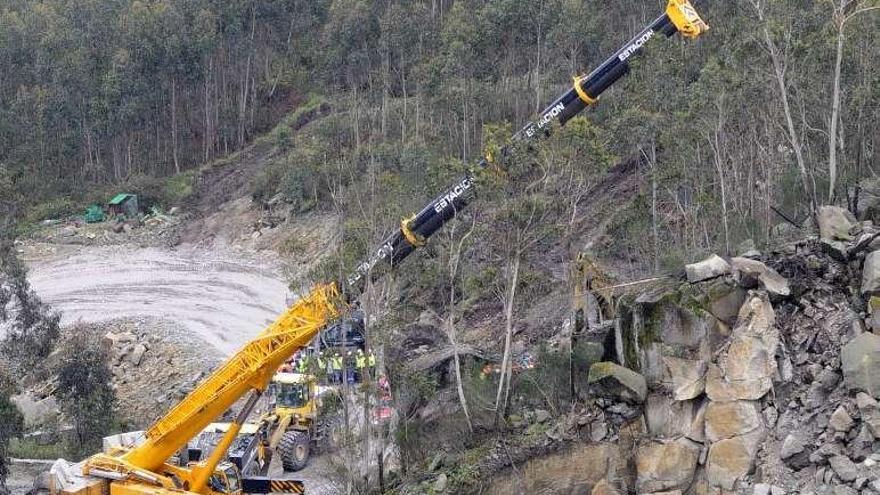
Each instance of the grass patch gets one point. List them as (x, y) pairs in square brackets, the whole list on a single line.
[(282, 134), (30, 449), (179, 187)]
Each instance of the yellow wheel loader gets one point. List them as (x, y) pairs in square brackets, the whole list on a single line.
[(293, 420), (289, 429)]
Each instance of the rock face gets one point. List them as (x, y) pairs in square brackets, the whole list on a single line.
[(835, 223), (742, 374), (861, 364), (665, 466), (576, 471), (616, 381), (731, 419), (36, 412), (686, 377), (712, 267), (746, 370), (731, 459), (604, 488), (871, 274), (758, 376)]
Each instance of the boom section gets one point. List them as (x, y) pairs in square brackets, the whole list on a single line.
[(680, 17), (249, 370)]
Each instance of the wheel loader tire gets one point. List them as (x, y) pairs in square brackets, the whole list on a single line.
[(294, 449)]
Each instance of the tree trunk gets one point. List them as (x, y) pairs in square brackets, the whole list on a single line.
[(779, 72), (455, 250), (503, 384), (174, 125), (835, 117)]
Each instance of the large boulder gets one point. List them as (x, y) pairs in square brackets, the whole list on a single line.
[(686, 378), (844, 468), (871, 274), (841, 420), (746, 369), (869, 199), (752, 273), (36, 412), (835, 223), (731, 459), (870, 412), (137, 354), (791, 446), (665, 466), (731, 419), (860, 360), (610, 379), (712, 267)]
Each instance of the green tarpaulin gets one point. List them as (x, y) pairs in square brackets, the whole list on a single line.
[(94, 214)]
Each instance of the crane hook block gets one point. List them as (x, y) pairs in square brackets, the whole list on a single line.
[(686, 19)]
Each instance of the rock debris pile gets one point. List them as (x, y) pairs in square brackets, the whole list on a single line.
[(758, 375)]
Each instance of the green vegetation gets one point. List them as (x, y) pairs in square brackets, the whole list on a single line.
[(31, 332), (11, 424), (109, 93), (31, 449), (84, 392)]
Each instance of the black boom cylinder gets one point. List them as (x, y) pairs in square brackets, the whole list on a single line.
[(585, 91)]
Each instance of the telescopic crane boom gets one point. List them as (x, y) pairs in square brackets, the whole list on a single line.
[(146, 469), (680, 17)]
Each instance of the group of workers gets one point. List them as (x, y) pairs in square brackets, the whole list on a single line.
[(352, 367)]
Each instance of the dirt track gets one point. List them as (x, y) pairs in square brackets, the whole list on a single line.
[(224, 297)]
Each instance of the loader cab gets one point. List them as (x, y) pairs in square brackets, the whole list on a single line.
[(294, 394), (226, 480)]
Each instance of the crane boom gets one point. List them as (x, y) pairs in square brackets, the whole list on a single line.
[(679, 17), (251, 368)]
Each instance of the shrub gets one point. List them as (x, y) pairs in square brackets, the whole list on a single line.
[(54, 208), (84, 391), (11, 423), (31, 330)]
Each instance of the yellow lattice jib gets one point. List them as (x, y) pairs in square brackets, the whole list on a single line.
[(250, 368)]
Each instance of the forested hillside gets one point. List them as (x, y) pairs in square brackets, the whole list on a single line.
[(773, 110), (303, 131)]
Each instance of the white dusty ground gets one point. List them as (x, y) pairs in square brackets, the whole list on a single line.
[(223, 296)]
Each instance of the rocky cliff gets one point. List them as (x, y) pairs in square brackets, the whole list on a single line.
[(757, 374)]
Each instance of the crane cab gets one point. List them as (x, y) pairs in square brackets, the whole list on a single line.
[(226, 480)]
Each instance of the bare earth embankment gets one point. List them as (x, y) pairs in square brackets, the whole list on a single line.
[(223, 297)]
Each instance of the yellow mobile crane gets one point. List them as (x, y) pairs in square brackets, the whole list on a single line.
[(147, 468)]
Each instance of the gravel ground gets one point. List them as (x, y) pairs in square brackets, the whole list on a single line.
[(224, 297)]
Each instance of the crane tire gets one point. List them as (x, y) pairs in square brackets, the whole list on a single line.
[(294, 449)]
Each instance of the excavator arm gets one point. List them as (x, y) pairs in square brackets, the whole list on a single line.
[(250, 369)]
